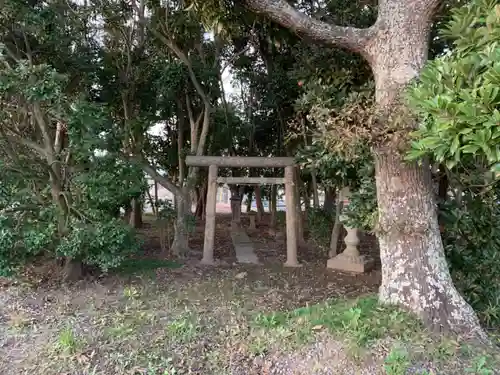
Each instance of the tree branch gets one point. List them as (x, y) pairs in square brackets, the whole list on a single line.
[(170, 43), (26, 142), (153, 173), (281, 12)]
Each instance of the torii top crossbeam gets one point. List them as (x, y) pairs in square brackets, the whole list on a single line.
[(240, 161)]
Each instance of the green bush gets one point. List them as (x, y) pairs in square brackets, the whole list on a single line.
[(472, 244), (319, 225), (103, 244)]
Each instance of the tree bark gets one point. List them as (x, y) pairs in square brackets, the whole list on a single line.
[(258, 203), (337, 225), (307, 197), (136, 214), (300, 213), (236, 205), (443, 183), (329, 202), (180, 245), (415, 275), (273, 207), (249, 201), (315, 193)]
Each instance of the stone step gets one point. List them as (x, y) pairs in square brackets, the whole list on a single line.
[(244, 247)]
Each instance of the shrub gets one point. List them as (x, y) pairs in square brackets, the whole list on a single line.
[(472, 244), (319, 225)]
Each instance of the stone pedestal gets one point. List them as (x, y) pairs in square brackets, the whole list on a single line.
[(350, 260)]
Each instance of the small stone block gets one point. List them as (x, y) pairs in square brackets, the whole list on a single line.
[(357, 264)]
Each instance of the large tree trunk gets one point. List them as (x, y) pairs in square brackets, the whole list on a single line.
[(415, 275), (414, 270)]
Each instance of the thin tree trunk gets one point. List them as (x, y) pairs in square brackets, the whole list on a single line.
[(156, 199), (249, 201), (235, 205), (307, 197), (128, 213), (329, 202), (258, 203), (201, 194), (152, 203), (180, 244), (136, 215), (300, 213), (337, 226), (315, 193), (273, 206)]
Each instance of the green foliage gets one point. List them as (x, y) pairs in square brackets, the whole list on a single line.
[(60, 199), (397, 362), (458, 95), (107, 185), (330, 167), (457, 98), (24, 235), (104, 244), (361, 212), (472, 243), (319, 225), (334, 170)]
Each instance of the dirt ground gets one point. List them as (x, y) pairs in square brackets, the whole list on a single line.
[(231, 319)]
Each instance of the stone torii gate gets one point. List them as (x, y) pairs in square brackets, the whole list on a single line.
[(214, 162)]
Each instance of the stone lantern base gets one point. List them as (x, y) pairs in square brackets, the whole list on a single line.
[(351, 263)]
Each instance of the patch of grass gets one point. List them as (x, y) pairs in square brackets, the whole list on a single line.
[(134, 266), (481, 366), (183, 329), (360, 321), (68, 342), (397, 362), (128, 324)]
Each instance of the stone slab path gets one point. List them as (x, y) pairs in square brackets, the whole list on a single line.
[(244, 247)]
